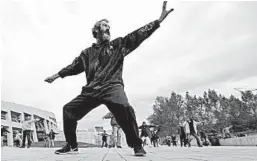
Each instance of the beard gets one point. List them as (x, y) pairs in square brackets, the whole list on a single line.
[(105, 36)]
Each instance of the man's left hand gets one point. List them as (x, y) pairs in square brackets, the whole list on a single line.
[(165, 13)]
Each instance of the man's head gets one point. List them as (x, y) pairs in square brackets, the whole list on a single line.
[(104, 131), (51, 130), (101, 31), (144, 123)]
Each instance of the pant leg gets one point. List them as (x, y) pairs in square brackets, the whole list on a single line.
[(74, 111), (188, 140), (102, 144), (2, 140), (28, 138), (23, 138), (181, 140), (119, 137), (117, 102), (114, 135), (197, 139)]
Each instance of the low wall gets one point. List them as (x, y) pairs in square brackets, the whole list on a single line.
[(240, 141)]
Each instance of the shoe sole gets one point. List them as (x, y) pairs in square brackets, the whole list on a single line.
[(67, 153), (139, 154), (60, 153), (73, 152)]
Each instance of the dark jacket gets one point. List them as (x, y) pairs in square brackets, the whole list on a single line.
[(103, 64), (145, 130), (52, 135)]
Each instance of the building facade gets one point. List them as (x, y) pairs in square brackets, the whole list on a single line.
[(13, 114)]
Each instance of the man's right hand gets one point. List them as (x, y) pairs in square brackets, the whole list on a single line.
[(52, 78)]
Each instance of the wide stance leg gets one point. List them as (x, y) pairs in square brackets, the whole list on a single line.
[(74, 111)]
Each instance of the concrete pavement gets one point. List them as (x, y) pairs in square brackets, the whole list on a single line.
[(163, 153)]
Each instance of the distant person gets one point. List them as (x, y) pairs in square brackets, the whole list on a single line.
[(193, 130), (146, 133), (51, 138), (3, 132), (18, 137), (187, 132), (227, 132), (47, 140), (155, 137), (182, 135), (174, 141), (116, 130), (168, 140), (104, 139), (27, 129)]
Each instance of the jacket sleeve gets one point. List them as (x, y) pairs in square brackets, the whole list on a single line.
[(134, 39), (76, 67)]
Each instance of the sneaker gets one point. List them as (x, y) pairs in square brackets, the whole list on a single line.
[(73, 151), (139, 151), (65, 149), (119, 147)]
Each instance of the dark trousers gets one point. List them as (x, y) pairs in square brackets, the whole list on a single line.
[(26, 133), (116, 102), (104, 143), (183, 140)]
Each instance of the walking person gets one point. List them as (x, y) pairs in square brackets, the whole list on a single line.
[(116, 130), (103, 65), (27, 131)]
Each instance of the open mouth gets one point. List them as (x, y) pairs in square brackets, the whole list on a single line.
[(107, 32)]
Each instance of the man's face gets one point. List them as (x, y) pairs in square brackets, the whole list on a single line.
[(104, 31)]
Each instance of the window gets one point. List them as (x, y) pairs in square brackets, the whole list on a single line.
[(3, 115), (53, 119), (27, 117), (40, 128), (16, 117)]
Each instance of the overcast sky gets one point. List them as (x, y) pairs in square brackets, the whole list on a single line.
[(200, 45)]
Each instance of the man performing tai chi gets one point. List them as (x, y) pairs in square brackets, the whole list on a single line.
[(103, 65)]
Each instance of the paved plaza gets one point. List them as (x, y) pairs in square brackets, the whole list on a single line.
[(164, 153)]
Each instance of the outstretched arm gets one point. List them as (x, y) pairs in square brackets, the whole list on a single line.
[(74, 68), (134, 39)]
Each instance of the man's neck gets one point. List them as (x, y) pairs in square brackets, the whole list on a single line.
[(101, 41)]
